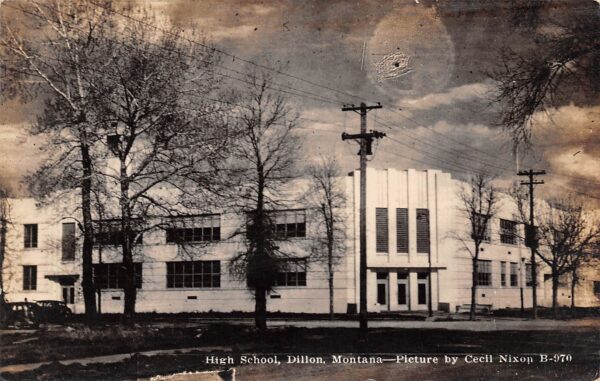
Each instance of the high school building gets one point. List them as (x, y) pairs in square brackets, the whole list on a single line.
[(414, 256)]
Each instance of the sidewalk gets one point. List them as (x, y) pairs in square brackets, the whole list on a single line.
[(496, 324)]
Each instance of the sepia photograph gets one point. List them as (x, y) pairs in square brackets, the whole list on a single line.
[(344, 190)]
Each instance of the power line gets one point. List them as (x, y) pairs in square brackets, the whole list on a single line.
[(223, 51)]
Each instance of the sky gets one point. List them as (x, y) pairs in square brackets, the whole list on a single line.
[(427, 63)]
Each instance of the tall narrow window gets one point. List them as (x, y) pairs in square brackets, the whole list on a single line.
[(31, 236), (423, 231), (402, 230), (481, 227), (484, 273), (528, 275), (514, 275), (68, 241), (381, 230), (508, 232), (29, 278), (503, 274)]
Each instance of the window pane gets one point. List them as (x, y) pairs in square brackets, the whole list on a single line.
[(381, 230), (68, 241), (422, 230), (402, 230)]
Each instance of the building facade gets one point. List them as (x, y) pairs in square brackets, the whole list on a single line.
[(413, 255)]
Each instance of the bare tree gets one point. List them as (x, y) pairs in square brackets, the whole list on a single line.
[(565, 236), (558, 62), (327, 197), (162, 135), (479, 199), (47, 59), (265, 153), (4, 222)]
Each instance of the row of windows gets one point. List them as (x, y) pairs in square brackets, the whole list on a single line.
[(508, 230), (182, 274), (287, 224), (382, 230), (484, 273)]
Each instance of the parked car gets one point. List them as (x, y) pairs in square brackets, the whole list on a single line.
[(23, 314), (53, 311)]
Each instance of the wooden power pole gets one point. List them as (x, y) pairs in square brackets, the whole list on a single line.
[(531, 239), (365, 139)]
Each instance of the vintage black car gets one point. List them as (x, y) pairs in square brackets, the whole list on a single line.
[(22, 315), (53, 311)]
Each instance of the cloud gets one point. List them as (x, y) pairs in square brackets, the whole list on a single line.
[(459, 94)]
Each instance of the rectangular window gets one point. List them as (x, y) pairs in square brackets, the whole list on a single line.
[(29, 278), (108, 233), (514, 275), (423, 231), (68, 241), (596, 287), (381, 230), (289, 223), (503, 274), (481, 227), (199, 229), (402, 230), (528, 275), (293, 273), (30, 236), (112, 275), (194, 274), (484, 273), (508, 232)]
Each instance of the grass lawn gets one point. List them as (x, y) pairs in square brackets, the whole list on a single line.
[(79, 341)]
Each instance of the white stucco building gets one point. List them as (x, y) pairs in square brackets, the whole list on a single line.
[(412, 218)]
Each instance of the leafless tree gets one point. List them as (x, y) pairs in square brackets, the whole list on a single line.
[(265, 153), (560, 60), (162, 133), (326, 195), (566, 236), (479, 204), (47, 59)]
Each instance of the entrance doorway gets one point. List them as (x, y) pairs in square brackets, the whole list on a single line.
[(68, 294), (403, 291), (382, 291), (422, 288)]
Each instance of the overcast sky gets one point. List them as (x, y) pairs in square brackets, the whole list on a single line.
[(427, 65)]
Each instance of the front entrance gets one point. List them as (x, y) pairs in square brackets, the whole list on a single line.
[(382, 290), (68, 294), (403, 291), (422, 288)]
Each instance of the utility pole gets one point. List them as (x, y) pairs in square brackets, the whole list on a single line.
[(531, 239), (365, 140)]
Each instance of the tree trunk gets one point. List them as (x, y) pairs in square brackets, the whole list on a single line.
[(2, 254), (474, 286), (87, 282), (330, 269), (555, 293), (573, 285), (129, 289), (260, 309)]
